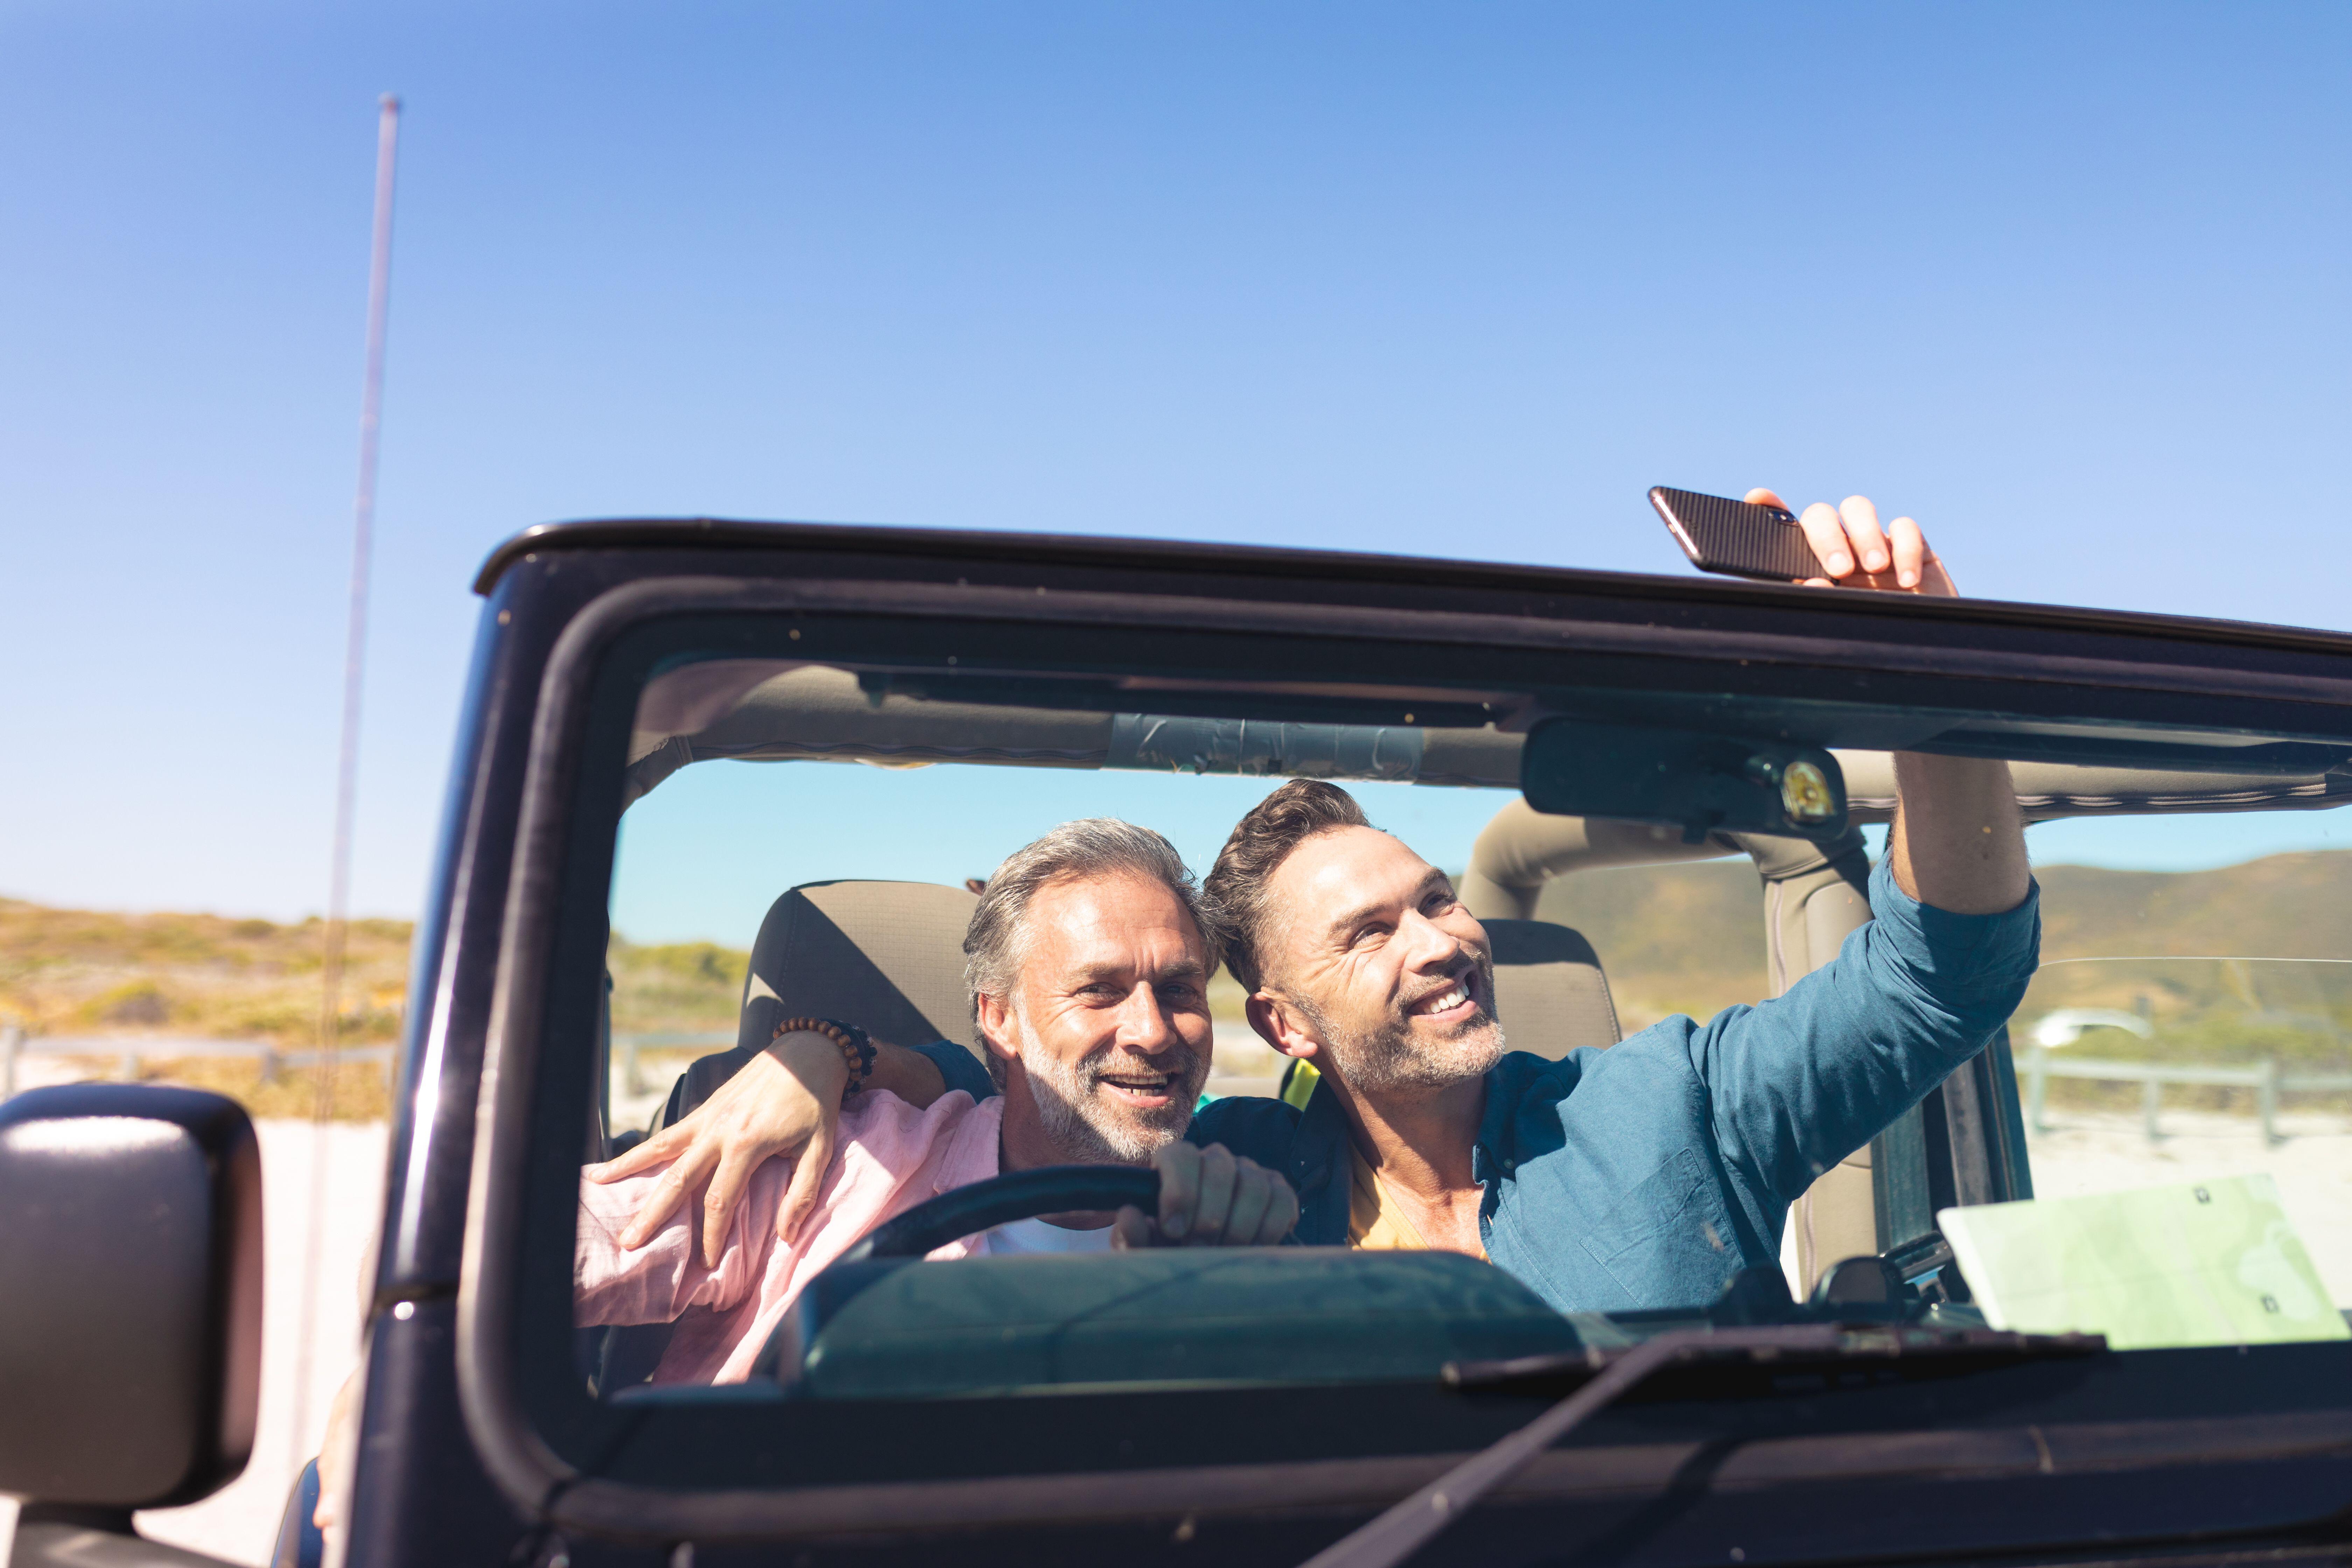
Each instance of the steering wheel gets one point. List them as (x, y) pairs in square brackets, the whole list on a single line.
[(1021, 1195)]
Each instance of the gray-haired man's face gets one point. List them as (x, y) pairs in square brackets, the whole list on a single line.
[(1109, 1019)]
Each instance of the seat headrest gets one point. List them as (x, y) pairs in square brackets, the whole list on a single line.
[(886, 955), (1549, 994)]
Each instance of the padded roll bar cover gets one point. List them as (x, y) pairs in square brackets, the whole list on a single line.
[(1550, 993), (1522, 848), (130, 1305), (1815, 896)]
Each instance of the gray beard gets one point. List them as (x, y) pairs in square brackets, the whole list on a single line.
[(1388, 1057), (1082, 1129)]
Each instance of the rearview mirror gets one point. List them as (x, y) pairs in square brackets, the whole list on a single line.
[(1698, 781), (130, 1298)]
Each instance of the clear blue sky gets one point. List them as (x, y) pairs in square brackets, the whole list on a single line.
[(2067, 282)]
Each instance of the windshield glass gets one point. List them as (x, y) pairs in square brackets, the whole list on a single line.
[(861, 973)]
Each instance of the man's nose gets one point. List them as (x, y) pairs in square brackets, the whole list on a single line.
[(1427, 945), (1144, 1024)]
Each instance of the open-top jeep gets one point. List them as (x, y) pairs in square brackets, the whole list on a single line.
[(1867, 1402)]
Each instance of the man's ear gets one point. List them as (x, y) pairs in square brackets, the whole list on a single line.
[(996, 1026), (1278, 1023)]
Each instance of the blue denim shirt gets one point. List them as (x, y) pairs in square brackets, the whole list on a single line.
[(1648, 1174)]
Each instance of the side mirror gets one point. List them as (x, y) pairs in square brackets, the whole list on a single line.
[(1699, 782), (129, 1295)]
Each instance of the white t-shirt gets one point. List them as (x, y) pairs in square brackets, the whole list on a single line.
[(1024, 1236)]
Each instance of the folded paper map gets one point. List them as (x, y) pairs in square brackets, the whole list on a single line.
[(2206, 1263)]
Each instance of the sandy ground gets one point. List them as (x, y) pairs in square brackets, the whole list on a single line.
[(2085, 1153), (2080, 1152)]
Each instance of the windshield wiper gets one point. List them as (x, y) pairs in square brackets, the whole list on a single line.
[(1404, 1529)]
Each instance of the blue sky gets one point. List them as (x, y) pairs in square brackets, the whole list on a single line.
[(705, 854), (2067, 282)]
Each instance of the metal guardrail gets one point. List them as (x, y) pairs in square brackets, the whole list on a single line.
[(2037, 1067), (131, 1051)]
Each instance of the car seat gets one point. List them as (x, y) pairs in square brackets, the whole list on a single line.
[(1549, 991), (887, 956)]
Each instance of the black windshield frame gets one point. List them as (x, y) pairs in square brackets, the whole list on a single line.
[(612, 1464)]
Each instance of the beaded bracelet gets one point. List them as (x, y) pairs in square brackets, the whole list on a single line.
[(856, 1046)]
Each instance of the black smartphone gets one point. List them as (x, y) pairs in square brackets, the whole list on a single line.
[(1734, 537)]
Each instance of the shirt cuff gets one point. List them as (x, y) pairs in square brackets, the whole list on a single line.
[(1967, 953)]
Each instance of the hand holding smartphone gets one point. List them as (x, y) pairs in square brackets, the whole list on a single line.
[(1735, 537)]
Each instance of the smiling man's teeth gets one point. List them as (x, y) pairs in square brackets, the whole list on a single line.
[(1440, 1003)]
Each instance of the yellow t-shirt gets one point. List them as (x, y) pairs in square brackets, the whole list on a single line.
[(1374, 1221)]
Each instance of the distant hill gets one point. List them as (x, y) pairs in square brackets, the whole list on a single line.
[(1672, 939), (1686, 938), (1690, 939), (1701, 923), (681, 987), (2282, 905)]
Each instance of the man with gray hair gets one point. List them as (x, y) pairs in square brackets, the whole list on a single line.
[(1088, 962)]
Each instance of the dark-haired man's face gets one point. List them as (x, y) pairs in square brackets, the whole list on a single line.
[(1393, 976)]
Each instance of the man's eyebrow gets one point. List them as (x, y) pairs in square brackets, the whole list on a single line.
[(1187, 968), (1362, 912)]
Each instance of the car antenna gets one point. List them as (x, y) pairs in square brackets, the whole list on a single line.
[(338, 880)]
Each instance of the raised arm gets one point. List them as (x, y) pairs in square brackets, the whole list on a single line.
[(1796, 1084), (1959, 842), (1800, 1082)]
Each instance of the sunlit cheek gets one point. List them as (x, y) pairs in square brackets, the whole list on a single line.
[(1079, 1032)]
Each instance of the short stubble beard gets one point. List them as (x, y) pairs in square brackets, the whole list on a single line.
[(1390, 1057), (1085, 1130)]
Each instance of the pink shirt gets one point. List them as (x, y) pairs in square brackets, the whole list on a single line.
[(891, 1157)]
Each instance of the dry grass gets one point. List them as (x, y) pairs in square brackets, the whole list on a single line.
[(69, 973), (77, 972), (362, 1091), (682, 987)]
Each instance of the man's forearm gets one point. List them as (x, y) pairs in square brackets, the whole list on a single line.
[(909, 1075), (1958, 840)]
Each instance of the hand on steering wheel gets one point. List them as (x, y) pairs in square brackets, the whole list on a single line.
[(1209, 1198)]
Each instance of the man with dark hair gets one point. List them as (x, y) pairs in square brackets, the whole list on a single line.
[(1650, 1174), (1644, 1176)]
